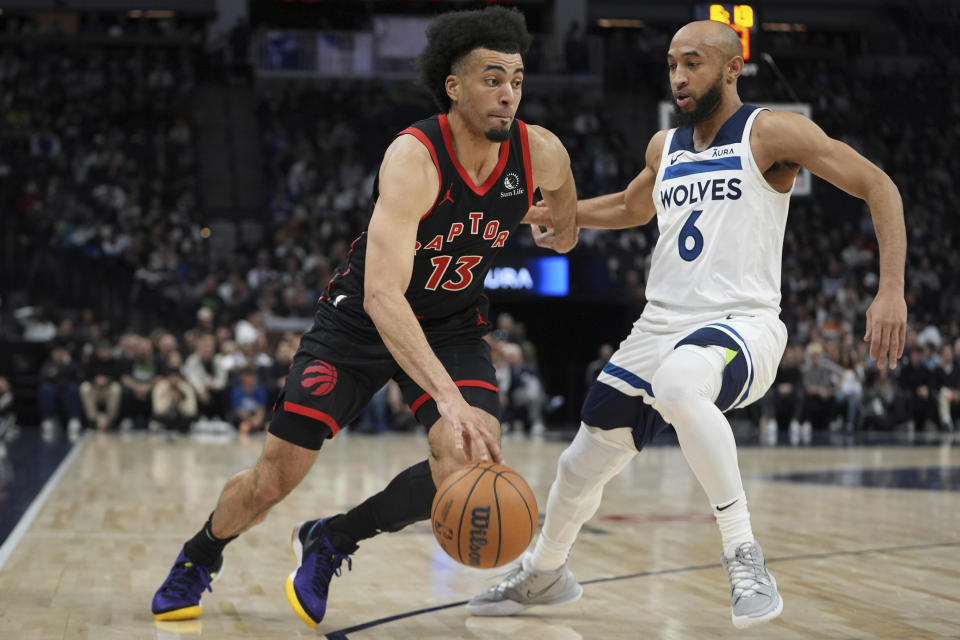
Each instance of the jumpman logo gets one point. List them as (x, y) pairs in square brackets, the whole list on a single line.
[(447, 197)]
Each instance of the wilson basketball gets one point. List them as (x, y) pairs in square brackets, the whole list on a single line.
[(484, 515)]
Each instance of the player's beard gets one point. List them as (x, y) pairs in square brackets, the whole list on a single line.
[(497, 134), (705, 106)]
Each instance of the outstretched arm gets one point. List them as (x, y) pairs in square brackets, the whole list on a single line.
[(789, 137), (628, 208), (408, 188)]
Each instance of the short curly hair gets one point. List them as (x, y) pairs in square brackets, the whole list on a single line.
[(451, 36)]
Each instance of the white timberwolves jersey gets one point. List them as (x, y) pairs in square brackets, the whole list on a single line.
[(721, 228)]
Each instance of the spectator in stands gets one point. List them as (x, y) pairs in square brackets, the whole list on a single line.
[(58, 392), (526, 397), (100, 391), (174, 402), (849, 389), (783, 403), (230, 355), (820, 383), (36, 323), (206, 371), (917, 384), (948, 394), (137, 383), (249, 403), (880, 400), (164, 343), (262, 272)]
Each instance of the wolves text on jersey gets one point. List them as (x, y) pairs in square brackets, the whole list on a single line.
[(489, 231), (714, 188)]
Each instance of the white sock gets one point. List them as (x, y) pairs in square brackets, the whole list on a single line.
[(593, 458), (734, 522), (548, 555), (686, 384)]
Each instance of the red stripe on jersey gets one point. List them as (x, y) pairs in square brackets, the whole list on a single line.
[(525, 144), (422, 137), (320, 416), (343, 273), (448, 143), (483, 384)]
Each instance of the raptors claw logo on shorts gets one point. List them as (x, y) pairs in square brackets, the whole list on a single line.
[(321, 376)]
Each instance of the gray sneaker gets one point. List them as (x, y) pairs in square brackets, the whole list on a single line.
[(753, 591), (525, 587)]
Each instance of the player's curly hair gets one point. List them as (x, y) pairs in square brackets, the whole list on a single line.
[(451, 36)]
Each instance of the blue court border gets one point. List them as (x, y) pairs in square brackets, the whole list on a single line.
[(341, 634)]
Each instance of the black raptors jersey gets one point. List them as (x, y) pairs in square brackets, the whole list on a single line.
[(457, 238)]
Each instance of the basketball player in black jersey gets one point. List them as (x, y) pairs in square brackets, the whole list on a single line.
[(407, 304)]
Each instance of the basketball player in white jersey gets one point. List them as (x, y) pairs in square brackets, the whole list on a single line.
[(710, 337)]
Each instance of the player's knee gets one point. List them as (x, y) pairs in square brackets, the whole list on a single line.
[(443, 447), (684, 378), (670, 387), (445, 457), (441, 466)]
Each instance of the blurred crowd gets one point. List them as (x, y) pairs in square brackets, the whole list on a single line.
[(99, 163)]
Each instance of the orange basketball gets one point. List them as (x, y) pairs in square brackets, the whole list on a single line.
[(484, 515)]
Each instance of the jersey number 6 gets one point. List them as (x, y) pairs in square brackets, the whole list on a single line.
[(690, 231), (464, 272)]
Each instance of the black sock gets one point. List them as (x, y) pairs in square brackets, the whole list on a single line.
[(205, 548), (407, 499)]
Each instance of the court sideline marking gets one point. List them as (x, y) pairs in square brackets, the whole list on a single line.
[(34, 509), (341, 634)]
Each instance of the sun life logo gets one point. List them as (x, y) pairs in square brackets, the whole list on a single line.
[(511, 181)]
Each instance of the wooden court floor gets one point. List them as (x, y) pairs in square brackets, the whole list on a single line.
[(851, 561)]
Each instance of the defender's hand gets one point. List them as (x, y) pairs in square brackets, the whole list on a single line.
[(539, 213), (887, 328)]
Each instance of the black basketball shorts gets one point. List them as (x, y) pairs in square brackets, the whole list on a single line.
[(329, 387)]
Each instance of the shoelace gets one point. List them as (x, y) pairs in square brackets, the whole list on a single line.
[(185, 578), (746, 574), (321, 576), (512, 578)]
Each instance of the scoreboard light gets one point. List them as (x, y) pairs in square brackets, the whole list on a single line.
[(741, 17)]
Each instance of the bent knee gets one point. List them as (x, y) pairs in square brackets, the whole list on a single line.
[(670, 390), (687, 375), (445, 457)]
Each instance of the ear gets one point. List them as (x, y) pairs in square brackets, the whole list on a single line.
[(452, 85), (733, 68)]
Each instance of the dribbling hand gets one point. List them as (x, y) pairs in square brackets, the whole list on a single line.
[(470, 437)]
